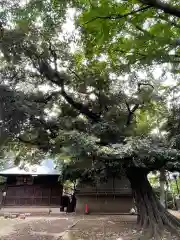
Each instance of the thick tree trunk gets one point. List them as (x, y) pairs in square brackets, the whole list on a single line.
[(152, 218)]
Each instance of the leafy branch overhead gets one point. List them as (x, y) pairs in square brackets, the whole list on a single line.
[(165, 7), (116, 17), (97, 96), (107, 112), (144, 32)]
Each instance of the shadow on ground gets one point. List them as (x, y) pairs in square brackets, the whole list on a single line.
[(38, 229), (71, 228)]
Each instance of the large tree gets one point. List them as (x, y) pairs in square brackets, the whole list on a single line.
[(90, 104)]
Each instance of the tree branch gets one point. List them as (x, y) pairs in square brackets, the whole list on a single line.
[(165, 7), (76, 75), (40, 122), (54, 55), (119, 16), (136, 106), (30, 142), (44, 99), (128, 107), (131, 112), (81, 108), (59, 79), (144, 31)]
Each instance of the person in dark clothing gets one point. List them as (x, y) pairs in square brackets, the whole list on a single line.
[(64, 203), (73, 203)]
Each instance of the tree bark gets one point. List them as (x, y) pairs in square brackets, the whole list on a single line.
[(152, 218), (165, 7)]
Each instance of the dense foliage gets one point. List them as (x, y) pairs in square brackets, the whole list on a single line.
[(93, 96)]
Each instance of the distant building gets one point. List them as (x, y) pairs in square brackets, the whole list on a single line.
[(113, 196), (32, 185), (37, 185)]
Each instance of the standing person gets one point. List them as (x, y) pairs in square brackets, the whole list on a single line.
[(73, 202), (68, 202), (62, 204), (65, 203)]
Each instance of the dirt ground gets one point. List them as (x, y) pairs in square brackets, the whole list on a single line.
[(70, 228)]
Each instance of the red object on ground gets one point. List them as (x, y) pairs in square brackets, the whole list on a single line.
[(86, 209)]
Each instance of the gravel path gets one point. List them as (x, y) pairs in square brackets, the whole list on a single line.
[(84, 228), (36, 229)]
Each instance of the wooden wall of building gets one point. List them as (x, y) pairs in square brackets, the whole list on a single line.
[(39, 191), (113, 196), (105, 204)]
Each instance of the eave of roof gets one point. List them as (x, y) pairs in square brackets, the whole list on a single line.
[(45, 168)]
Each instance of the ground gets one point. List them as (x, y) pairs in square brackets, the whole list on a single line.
[(70, 228)]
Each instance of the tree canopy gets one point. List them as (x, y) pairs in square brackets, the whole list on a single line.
[(94, 95), (98, 97)]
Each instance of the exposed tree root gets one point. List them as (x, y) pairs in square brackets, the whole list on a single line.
[(153, 219)]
